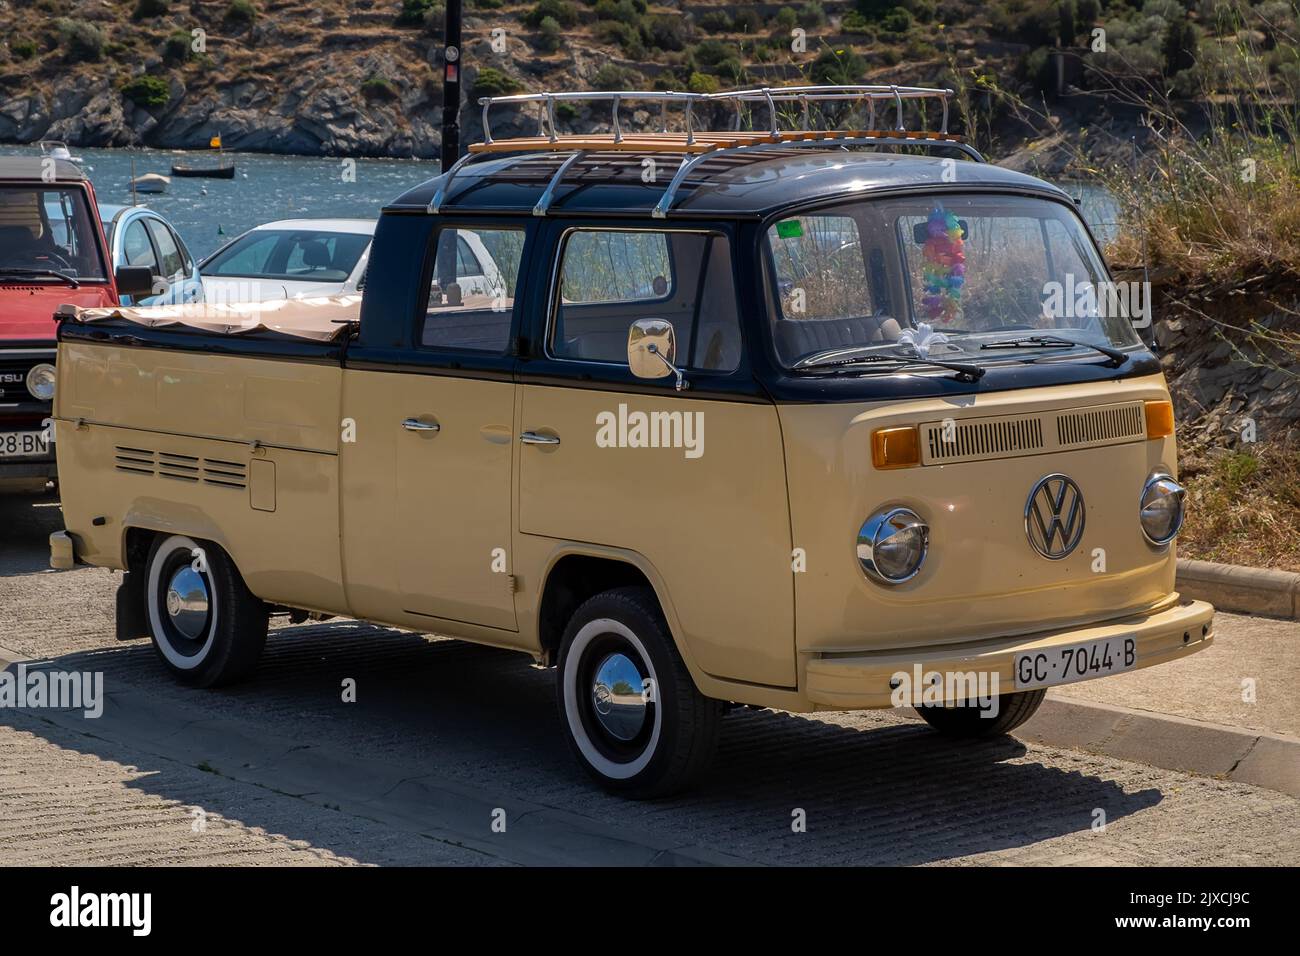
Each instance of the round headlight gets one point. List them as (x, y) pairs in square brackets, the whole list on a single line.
[(40, 382), (1162, 508), (892, 545)]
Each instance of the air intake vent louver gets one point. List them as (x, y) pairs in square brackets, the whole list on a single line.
[(165, 464), (985, 438), (1100, 425), (1013, 436)]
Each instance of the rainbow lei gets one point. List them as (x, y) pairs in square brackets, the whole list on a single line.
[(943, 266)]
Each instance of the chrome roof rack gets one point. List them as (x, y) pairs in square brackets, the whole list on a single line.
[(697, 143)]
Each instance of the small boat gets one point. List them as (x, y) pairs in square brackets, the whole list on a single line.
[(206, 172), (57, 149), (150, 183)]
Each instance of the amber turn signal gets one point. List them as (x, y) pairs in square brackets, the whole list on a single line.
[(896, 447), (1160, 419)]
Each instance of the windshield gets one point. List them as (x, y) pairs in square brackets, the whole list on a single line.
[(47, 232), (990, 277), (297, 254)]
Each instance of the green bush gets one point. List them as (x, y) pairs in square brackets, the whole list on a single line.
[(748, 21), (550, 33), (703, 83), (82, 42), (23, 49), (622, 10), (1179, 48), (487, 4), (611, 76), (241, 11), (896, 21), (842, 67), (150, 8), (414, 12), (666, 32), (715, 21), (178, 46), (623, 35), (151, 92), (855, 22), (435, 19), (566, 111), (562, 11), (812, 15), (376, 87), (492, 82)]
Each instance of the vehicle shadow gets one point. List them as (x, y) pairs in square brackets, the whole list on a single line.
[(26, 523), (872, 789)]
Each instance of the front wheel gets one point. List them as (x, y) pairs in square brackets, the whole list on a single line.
[(632, 715), (970, 722), (207, 627)]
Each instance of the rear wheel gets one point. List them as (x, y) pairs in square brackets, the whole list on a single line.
[(969, 721), (207, 627), (631, 713)]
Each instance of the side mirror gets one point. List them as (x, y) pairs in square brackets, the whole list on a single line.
[(652, 349), (135, 281)]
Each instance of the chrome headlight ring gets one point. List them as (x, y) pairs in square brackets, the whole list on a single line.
[(40, 382), (1160, 494), (892, 545)]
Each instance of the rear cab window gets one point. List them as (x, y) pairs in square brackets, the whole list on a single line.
[(472, 284)]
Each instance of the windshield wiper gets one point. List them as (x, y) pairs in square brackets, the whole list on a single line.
[(1056, 342), (20, 271), (965, 372)]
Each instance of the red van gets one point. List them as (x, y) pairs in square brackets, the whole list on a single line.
[(52, 251)]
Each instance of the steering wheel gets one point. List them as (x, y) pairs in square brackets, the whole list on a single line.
[(38, 259)]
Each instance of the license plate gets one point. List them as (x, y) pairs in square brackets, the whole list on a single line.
[(23, 444), (1076, 662)]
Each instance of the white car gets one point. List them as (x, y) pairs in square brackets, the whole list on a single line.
[(296, 258), (291, 258)]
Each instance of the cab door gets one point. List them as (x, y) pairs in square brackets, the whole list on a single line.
[(692, 481), (433, 459)]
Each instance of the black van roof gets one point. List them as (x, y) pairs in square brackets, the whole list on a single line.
[(615, 183)]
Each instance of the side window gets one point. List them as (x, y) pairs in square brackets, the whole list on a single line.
[(611, 278), (136, 246), (167, 250), (615, 267), (472, 289)]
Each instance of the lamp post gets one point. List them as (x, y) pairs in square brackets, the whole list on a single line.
[(451, 64)]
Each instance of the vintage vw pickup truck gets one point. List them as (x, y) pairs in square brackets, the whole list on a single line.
[(782, 417), (52, 251)]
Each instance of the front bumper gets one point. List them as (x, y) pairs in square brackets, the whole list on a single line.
[(861, 681)]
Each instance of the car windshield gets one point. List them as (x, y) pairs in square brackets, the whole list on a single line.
[(971, 278), (301, 255), (48, 232)]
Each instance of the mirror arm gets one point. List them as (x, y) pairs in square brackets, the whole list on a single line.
[(682, 384)]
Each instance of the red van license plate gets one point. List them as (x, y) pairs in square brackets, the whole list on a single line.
[(23, 444)]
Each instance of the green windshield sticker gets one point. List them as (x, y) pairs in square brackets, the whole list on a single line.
[(790, 229)]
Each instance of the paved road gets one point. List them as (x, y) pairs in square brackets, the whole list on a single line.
[(447, 739)]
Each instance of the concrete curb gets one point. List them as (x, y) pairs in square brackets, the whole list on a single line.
[(1270, 761), (1231, 587)]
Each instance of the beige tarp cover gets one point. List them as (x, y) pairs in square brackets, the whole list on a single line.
[(324, 318)]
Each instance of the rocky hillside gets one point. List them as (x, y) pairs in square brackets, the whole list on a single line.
[(362, 77)]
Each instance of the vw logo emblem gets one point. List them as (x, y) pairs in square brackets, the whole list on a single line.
[(1054, 516)]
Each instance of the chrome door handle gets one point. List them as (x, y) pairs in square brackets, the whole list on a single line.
[(415, 425), (532, 438)]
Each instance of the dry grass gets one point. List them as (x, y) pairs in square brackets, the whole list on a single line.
[(1244, 508)]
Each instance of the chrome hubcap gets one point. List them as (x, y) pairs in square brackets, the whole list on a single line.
[(187, 602), (617, 697)]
